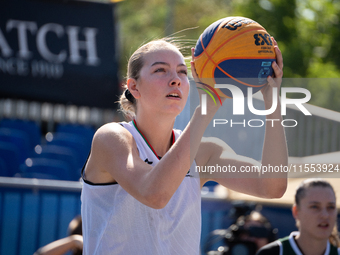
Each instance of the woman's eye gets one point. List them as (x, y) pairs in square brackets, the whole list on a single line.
[(160, 70), (184, 72)]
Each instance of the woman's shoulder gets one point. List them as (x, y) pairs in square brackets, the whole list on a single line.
[(111, 146), (111, 129), (110, 134)]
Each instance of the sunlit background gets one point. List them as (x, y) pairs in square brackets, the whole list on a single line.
[(62, 67)]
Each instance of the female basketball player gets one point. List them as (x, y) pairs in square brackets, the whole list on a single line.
[(141, 193), (315, 213)]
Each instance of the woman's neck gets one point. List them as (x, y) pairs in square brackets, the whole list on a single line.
[(309, 245), (158, 132)]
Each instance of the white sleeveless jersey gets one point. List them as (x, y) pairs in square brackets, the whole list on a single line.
[(114, 222)]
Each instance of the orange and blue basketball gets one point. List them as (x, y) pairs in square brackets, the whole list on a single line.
[(237, 51)]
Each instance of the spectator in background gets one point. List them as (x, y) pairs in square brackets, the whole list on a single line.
[(256, 228), (315, 213), (246, 236), (74, 242)]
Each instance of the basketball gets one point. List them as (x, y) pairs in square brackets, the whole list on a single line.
[(237, 51)]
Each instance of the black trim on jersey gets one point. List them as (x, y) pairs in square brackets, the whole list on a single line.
[(147, 161), (91, 183), (188, 174), (99, 184)]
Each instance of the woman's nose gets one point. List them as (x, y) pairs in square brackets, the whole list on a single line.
[(324, 213), (175, 81)]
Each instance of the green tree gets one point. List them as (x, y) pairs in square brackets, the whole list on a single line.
[(307, 32)]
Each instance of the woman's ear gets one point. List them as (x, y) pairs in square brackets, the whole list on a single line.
[(132, 87), (295, 211)]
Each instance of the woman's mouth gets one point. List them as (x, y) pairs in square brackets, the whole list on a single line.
[(323, 225), (174, 95)]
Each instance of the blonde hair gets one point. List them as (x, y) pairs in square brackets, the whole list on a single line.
[(127, 103)]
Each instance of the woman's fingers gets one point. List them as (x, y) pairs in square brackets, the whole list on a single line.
[(279, 58), (193, 69), (278, 73)]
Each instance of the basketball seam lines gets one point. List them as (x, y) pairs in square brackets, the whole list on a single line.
[(233, 38), (208, 42), (210, 56), (237, 79)]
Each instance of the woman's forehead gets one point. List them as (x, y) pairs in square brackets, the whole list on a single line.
[(166, 55), (321, 194)]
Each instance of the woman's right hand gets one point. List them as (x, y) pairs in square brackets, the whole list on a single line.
[(212, 103)]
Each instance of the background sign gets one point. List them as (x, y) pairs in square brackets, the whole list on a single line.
[(59, 52)]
